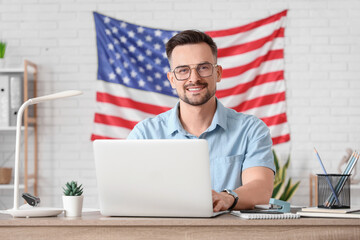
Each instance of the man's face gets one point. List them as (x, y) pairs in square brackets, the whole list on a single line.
[(195, 90)]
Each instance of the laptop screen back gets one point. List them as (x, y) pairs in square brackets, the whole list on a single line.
[(158, 178)]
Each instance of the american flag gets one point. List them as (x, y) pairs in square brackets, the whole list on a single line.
[(132, 66)]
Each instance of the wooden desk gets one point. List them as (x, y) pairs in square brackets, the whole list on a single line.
[(94, 226)]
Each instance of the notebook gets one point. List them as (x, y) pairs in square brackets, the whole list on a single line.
[(329, 215), (154, 178), (254, 216)]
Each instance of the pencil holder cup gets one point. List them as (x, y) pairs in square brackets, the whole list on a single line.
[(340, 185)]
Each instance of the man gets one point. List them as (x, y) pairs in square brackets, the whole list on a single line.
[(241, 161)]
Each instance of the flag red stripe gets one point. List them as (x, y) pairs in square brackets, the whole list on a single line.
[(260, 79), (281, 139), (275, 120), (249, 46), (260, 101), (247, 27), (129, 103), (94, 137), (114, 121), (271, 55)]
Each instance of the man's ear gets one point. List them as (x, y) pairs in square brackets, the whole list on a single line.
[(171, 79), (219, 73)]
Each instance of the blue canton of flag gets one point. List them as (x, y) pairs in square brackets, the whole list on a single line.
[(132, 55)]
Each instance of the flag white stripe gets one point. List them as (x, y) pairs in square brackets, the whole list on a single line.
[(248, 76), (130, 114), (279, 130), (140, 96), (268, 110), (249, 36), (110, 131), (254, 92), (245, 58)]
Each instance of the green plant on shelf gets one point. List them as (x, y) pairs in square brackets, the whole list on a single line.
[(2, 49), (284, 189)]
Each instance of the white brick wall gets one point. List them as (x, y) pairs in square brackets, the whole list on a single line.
[(322, 76)]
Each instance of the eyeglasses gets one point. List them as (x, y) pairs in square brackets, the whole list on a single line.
[(203, 69)]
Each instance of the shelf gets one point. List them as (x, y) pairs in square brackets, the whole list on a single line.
[(13, 128), (11, 70), (10, 186)]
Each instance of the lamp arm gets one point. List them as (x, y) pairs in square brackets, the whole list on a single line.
[(17, 152)]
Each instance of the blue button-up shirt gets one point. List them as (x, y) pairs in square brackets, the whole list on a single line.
[(236, 142)]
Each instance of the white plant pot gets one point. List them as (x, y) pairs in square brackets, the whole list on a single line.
[(73, 205), (2, 62)]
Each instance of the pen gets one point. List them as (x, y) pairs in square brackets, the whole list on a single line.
[(327, 177)]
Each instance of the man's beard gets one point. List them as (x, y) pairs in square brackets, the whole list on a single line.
[(200, 101)]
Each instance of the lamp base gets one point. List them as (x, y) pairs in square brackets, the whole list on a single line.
[(34, 212)]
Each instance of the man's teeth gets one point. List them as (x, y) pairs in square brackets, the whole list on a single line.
[(194, 89)]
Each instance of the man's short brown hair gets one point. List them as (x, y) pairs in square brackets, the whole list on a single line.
[(190, 37)]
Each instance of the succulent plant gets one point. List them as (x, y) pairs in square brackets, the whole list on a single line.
[(72, 189)]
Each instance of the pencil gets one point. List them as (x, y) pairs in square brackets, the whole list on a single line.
[(326, 175)]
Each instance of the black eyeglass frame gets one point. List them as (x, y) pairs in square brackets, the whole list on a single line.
[(196, 68)]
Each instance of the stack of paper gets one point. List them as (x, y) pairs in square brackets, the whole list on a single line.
[(330, 213)]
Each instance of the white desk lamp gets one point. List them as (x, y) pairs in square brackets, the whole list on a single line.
[(33, 211)]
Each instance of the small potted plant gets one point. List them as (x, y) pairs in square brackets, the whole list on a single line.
[(2, 53), (73, 199)]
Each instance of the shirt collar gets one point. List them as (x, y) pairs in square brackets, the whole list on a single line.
[(218, 119)]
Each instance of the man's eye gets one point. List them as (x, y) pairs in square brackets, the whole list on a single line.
[(204, 67), (182, 70)]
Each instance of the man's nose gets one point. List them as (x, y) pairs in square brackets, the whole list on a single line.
[(194, 75)]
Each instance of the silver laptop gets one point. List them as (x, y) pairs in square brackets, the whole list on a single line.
[(153, 178)]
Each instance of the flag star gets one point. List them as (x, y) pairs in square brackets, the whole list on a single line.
[(111, 61), (114, 30), (108, 32), (174, 33), (133, 60), (165, 40), (131, 34), (157, 46), (158, 33), (132, 48), (116, 42), (150, 79), (141, 58), (126, 64), (166, 69), (126, 80), (164, 55), (142, 83), (123, 25), (141, 69), (124, 50), (166, 83), (140, 43), (110, 46), (148, 52), (123, 39), (106, 19), (157, 75), (149, 67), (112, 76), (118, 56), (133, 74), (118, 70), (158, 87), (140, 29), (148, 38), (157, 61), (174, 92)]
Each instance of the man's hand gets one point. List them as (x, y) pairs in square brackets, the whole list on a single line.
[(221, 201)]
